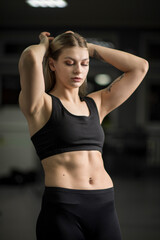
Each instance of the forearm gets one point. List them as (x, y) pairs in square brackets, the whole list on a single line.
[(121, 60)]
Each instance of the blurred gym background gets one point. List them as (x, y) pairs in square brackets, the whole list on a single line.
[(132, 147)]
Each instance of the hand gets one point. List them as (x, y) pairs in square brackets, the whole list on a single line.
[(45, 38)]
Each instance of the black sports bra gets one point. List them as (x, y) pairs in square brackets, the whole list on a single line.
[(66, 132)]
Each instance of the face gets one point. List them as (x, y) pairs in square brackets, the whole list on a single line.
[(72, 67)]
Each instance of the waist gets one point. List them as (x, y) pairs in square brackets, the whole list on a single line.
[(80, 169)]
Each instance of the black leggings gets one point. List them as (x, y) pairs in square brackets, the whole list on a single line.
[(73, 214)]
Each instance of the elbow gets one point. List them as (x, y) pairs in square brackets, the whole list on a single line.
[(144, 66), (141, 69), (27, 58)]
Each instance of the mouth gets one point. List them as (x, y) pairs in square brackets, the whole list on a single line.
[(77, 79)]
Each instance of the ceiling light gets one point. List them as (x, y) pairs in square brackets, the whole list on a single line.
[(47, 3), (103, 79)]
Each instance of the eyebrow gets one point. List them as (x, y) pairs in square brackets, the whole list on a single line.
[(85, 59)]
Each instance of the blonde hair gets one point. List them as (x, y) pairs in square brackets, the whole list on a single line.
[(61, 42)]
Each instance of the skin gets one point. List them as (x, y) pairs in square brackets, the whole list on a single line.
[(71, 70), (77, 169)]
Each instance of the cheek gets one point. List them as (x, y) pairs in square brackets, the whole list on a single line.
[(65, 69), (63, 74), (62, 71), (86, 71)]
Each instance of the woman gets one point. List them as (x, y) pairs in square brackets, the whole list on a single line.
[(65, 127)]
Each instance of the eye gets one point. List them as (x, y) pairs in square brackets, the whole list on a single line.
[(68, 63), (85, 64)]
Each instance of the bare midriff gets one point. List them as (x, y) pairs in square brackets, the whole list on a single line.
[(76, 170)]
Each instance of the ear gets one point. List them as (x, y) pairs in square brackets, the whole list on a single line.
[(51, 64)]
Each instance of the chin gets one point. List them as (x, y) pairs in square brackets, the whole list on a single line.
[(77, 85)]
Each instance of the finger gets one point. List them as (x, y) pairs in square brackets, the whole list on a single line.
[(51, 38), (44, 34)]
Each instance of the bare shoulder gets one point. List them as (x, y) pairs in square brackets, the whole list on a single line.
[(96, 96)]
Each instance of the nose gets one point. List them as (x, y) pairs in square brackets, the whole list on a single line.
[(78, 68)]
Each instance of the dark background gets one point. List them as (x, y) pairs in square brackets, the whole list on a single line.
[(132, 146)]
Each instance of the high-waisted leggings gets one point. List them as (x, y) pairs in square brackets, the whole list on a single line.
[(73, 214)]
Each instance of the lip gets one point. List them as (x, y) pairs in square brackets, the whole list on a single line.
[(77, 79)]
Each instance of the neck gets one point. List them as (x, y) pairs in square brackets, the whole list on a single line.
[(70, 95)]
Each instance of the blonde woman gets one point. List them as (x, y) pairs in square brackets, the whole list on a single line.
[(65, 128)]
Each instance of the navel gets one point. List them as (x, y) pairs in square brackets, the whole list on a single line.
[(90, 180)]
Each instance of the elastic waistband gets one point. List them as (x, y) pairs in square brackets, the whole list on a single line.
[(76, 196), (79, 191)]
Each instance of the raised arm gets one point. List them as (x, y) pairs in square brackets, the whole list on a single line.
[(31, 75), (134, 70)]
